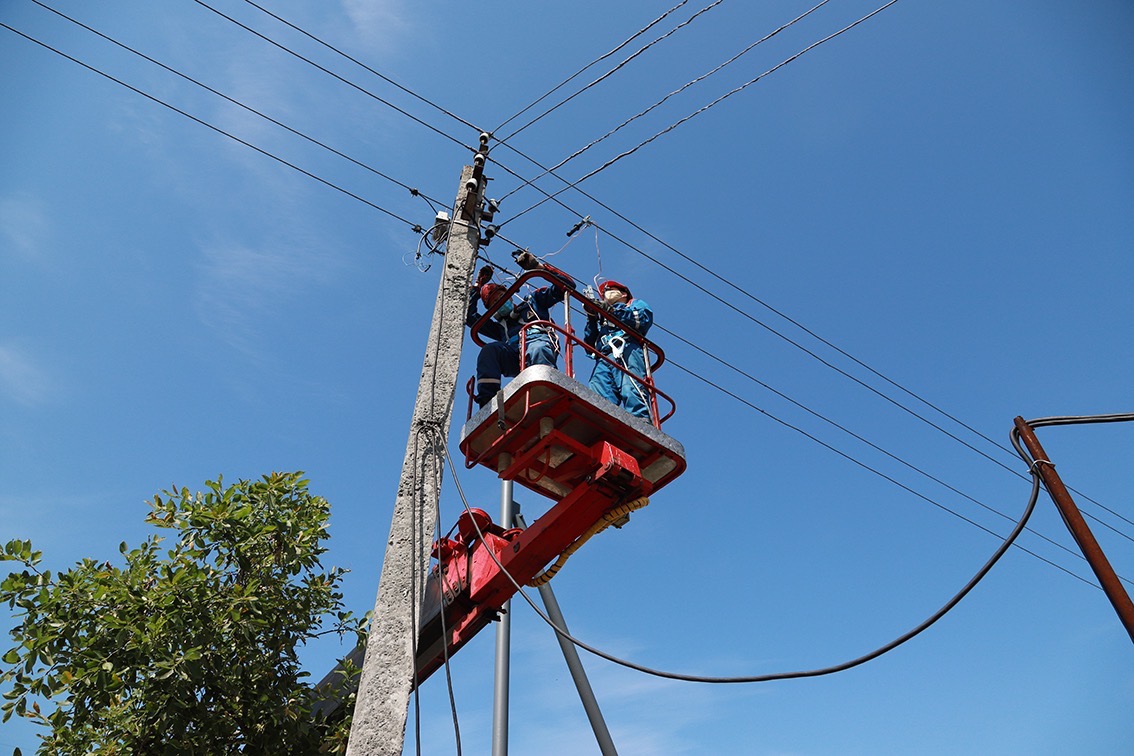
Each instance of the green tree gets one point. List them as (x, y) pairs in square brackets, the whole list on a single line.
[(186, 650)]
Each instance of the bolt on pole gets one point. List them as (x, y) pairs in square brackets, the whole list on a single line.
[(1111, 585)]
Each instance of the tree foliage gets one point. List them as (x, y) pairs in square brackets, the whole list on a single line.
[(190, 649)]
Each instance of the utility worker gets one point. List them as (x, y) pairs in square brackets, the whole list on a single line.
[(622, 347), (502, 356)]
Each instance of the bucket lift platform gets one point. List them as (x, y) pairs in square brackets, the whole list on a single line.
[(541, 429), (552, 435)]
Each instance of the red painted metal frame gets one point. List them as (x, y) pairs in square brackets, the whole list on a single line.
[(568, 334), (478, 570), (556, 437)]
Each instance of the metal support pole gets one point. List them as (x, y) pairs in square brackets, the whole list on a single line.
[(1078, 527), (503, 647), (575, 665)]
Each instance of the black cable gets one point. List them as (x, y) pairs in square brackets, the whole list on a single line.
[(612, 71), (439, 443), (357, 62), (407, 187), (783, 336), (334, 75), (663, 100), (465, 122), (218, 130), (1000, 551)]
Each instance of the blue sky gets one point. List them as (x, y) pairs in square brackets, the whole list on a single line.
[(943, 192)]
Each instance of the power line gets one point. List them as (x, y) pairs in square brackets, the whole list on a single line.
[(701, 110), (784, 316), (660, 102), (218, 130), (932, 619), (612, 71), (599, 59), (852, 434), (816, 44), (239, 104)]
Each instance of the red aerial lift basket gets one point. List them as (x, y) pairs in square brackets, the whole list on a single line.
[(542, 429)]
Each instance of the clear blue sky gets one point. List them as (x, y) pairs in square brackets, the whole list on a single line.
[(944, 192)]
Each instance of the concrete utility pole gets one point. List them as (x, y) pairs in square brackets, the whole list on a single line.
[(387, 671)]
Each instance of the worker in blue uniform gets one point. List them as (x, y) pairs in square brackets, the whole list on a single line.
[(621, 347), (501, 357)]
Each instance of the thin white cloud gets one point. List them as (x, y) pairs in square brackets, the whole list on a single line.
[(241, 286), (23, 226), (21, 379), (378, 23)]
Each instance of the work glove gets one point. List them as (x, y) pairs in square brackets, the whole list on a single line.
[(526, 260)]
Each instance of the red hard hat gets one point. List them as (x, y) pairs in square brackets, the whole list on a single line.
[(602, 287), (490, 292)]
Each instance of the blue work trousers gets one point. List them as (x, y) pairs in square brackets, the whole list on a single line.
[(619, 388), (502, 358)]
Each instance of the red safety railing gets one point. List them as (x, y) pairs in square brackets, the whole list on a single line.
[(569, 341)]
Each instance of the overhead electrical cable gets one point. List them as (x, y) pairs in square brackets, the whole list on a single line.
[(599, 59), (236, 102), (217, 129), (780, 335), (447, 112), (932, 619), (617, 68), (701, 110), (334, 75), (769, 328), (357, 62), (469, 124), (662, 101), (412, 190), (849, 432)]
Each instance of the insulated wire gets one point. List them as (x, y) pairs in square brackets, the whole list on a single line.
[(208, 125), (412, 190), (614, 70), (232, 100), (469, 124), (786, 338), (1000, 551), (698, 112), (660, 102), (439, 442)]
